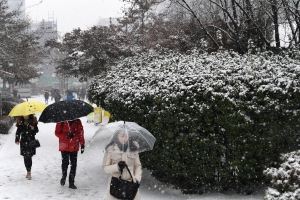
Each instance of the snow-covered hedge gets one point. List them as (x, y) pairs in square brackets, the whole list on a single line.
[(220, 119), (285, 180)]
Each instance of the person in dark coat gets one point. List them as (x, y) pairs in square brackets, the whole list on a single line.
[(57, 97), (26, 131), (46, 95), (71, 137), (15, 92)]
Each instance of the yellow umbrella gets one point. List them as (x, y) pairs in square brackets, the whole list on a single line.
[(27, 108)]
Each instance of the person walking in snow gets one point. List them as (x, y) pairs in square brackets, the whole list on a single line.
[(120, 152), (15, 92), (57, 97), (70, 96), (71, 137), (46, 95), (26, 131)]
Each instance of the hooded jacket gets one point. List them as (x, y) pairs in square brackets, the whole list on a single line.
[(70, 144)]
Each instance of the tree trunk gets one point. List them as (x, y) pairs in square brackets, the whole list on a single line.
[(275, 20)]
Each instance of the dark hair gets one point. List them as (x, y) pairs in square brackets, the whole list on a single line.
[(31, 118), (131, 141)]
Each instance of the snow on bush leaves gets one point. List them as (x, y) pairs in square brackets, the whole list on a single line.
[(285, 180), (225, 74), (231, 114)]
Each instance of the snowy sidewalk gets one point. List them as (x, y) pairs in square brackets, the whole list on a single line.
[(90, 179), (46, 171)]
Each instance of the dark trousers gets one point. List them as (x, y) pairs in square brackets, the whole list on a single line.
[(28, 162), (68, 157)]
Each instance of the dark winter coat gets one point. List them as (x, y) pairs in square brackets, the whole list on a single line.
[(57, 97), (46, 95), (25, 134), (70, 144)]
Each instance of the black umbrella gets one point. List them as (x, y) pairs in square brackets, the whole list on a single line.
[(65, 111)]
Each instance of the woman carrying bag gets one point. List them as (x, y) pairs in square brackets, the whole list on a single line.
[(26, 131), (121, 153)]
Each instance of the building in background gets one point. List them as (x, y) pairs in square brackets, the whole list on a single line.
[(107, 21), (48, 79), (49, 27)]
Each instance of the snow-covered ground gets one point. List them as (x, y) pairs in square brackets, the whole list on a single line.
[(90, 179)]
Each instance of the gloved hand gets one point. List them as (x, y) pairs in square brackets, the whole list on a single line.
[(122, 165), (82, 149), (70, 135)]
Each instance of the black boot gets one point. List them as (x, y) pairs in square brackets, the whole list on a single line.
[(72, 186), (62, 181)]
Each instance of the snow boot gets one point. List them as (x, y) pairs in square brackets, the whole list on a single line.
[(62, 181), (72, 186)]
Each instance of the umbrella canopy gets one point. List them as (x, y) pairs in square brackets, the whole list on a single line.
[(126, 133), (65, 111), (27, 108)]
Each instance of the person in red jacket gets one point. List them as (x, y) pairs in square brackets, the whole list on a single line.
[(71, 136)]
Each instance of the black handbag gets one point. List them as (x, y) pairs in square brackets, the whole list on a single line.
[(122, 189), (34, 144)]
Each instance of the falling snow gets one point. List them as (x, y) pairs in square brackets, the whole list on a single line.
[(90, 179)]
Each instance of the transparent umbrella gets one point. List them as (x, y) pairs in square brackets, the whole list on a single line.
[(129, 136)]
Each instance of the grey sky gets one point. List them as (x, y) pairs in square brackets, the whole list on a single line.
[(71, 14)]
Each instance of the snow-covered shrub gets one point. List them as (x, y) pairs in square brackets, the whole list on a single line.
[(219, 119), (5, 123), (285, 180)]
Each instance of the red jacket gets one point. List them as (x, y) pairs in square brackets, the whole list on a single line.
[(66, 144)]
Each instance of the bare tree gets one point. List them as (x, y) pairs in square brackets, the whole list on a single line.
[(292, 18), (238, 21)]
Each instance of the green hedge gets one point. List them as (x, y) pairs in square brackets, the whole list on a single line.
[(284, 180), (6, 123), (219, 119)]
